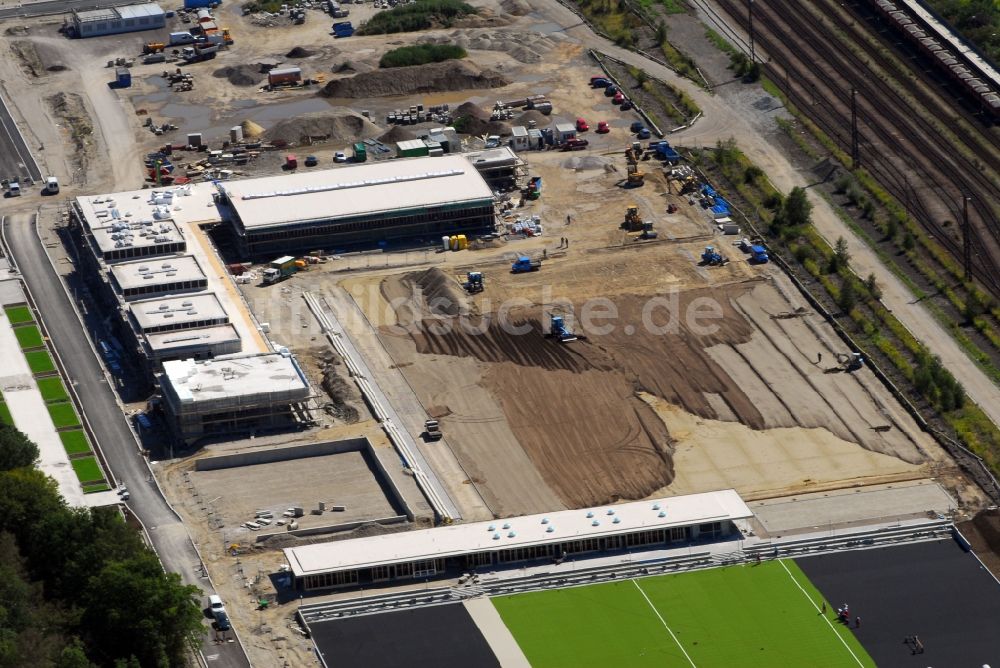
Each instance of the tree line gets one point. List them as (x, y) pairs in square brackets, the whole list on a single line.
[(79, 588)]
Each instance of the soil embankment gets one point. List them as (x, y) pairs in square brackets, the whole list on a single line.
[(431, 78)]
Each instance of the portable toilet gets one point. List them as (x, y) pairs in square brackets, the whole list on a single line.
[(446, 242), (463, 242), (360, 152), (123, 78), (454, 242)]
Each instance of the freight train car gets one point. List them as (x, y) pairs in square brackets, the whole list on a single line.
[(959, 62)]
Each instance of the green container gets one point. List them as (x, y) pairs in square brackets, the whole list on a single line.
[(360, 152)]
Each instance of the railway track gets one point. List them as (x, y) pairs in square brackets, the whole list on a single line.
[(902, 148)]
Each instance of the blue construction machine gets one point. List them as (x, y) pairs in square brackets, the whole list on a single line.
[(559, 331)]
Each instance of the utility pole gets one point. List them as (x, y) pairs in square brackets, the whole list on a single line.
[(753, 52), (966, 238), (855, 144)]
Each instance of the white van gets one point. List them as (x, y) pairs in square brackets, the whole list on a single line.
[(52, 185), (14, 189), (215, 603)]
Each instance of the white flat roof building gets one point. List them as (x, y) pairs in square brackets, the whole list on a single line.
[(113, 20), (524, 533), (354, 191), (193, 343), (173, 313), (158, 276), (232, 393)]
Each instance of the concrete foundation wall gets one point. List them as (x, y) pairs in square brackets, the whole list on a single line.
[(281, 454), (332, 528), (313, 450)]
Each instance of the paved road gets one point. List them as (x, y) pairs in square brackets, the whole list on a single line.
[(170, 538), (15, 158), (58, 7)]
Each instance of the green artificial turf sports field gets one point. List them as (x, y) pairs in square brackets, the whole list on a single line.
[(747, 616), (39, 361), (19, 314), (28, 337)]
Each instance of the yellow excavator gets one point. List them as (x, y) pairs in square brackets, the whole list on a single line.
[(633, 223), (633, 155)]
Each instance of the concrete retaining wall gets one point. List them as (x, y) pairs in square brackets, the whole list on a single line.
[(314, 450), (332, 528), (282, 454)]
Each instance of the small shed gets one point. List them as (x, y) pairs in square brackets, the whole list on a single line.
[(283, 76), (519, 138), (536, 140), (564, 132), (411, 148)]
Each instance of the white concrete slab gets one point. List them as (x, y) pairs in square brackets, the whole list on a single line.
[(30, 416), (499, 637), (822, 510), (13, 367)]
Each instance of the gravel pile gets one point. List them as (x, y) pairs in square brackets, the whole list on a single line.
[(430, 78)]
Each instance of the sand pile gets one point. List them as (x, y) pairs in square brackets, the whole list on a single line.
[(299, 52), (397, 133), (240, 75), (434, 77), (524, 47), (442, 295), (324, 126), (540, 119), (583, 163), (471, 119), (251, 129)]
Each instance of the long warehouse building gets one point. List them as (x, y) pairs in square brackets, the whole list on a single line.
[(372, 203), (425, 553)]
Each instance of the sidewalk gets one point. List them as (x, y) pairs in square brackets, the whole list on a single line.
[(30, 415)]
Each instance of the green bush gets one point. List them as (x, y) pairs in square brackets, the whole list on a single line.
[(419, 15), (421, 54)]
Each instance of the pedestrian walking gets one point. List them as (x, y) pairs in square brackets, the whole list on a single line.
[(918, 647), (568, 219), (857, 622), (823, 609)]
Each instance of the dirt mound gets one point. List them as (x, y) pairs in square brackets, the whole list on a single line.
[(516, 7), (431, 78), (397, 133), (341, 393), (540, 119), (324, 126), (299, 52), (471, 119), (28, 57), (240, 75), (251, 129), (78, 127), (424, 297)]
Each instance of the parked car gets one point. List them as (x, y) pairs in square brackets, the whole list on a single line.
[(602, 127), (618, 98), (643, 133), (599, 82), (339, 156), (626, 105), (311, 161), (575, 144), (610, 90), (636, 126), (581, 125)]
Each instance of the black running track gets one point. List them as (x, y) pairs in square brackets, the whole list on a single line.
[(933, 590), (440, 636)]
